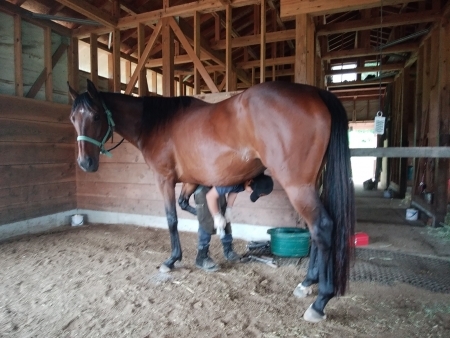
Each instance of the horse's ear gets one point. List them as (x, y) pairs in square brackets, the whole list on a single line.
[(72, 92), (92, 91)]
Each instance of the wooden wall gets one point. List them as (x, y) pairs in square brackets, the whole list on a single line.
[(37, 152), (124, 183)]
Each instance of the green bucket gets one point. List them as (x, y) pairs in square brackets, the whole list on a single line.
[(289, 242)]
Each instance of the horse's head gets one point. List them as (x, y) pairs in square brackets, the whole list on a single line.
[(93, 124)]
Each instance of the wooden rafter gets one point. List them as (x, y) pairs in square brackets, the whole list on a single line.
[(90, 11)]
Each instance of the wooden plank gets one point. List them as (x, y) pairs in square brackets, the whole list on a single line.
[(33, 110), (262, 57), (72, 65), (93, 57), (21, 212), (142, 77), (287, 60), (228, 49), (33, 131), (289, 8), (19, 175), (48, 64), (37, 192), (197, 39), (138, 173), (398, 152), (14, 153), (358, 70), (116, 61), (168, 55), (18, 68)]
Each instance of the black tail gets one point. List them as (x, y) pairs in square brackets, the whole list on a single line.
[(338, 195)]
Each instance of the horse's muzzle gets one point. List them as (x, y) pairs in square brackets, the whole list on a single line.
[(88, 164)]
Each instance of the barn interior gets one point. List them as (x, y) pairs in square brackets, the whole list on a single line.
[(381, 58)]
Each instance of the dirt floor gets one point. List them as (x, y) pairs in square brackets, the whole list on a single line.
[(103, 281)]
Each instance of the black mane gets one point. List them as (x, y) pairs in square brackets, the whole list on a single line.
[(158, 110)]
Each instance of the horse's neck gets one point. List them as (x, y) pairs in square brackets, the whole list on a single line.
[(126, 112)]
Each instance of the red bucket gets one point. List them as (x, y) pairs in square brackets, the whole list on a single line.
[(360, 239)]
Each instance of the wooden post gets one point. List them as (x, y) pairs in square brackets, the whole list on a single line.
[(228, 50), (168, 59), (142, 78), (48, 64), (263, 43), (94, 58), (304, 49), (197, 38), (72, 65), (18, 64), (116, 61)]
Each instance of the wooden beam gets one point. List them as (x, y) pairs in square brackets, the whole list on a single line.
[(262, 57), (360, 83), (228, 50), (142, 77), (321, 7), (48, 64), (168, 54), (357, 52), (41, 78), (287, 60), (183, 11), (201, 68), (90, 11), (197, 40), (373, 23), (143, 58), (18, 62), (93, 57), (72, 65), (117, 87), (244, 41), (399, 152)]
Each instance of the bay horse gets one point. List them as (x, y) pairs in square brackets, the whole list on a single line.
[(294, 130)]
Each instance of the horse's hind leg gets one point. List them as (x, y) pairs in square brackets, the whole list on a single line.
[(183, 201), (306, 201)]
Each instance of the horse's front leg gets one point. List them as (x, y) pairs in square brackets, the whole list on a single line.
[(167, 188), (183, 201)]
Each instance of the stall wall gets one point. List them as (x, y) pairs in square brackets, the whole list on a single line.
[(37, 152)]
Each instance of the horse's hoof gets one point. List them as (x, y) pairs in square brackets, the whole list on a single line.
[(302, 291), (164, 268), (313, 316)]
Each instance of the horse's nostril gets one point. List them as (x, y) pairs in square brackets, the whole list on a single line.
[(89, 162)]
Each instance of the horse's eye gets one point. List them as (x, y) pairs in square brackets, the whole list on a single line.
[(96, 117)]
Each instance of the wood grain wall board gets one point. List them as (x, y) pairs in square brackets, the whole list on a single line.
[(22, 175), (37, 192), (137, 173), (14, 153), (20, 108), (7, 74), (24, 211), (125, 153), (268, 217), (39, 132), (33, 56)]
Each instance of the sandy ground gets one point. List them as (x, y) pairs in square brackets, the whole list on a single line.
[(103, 281)]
